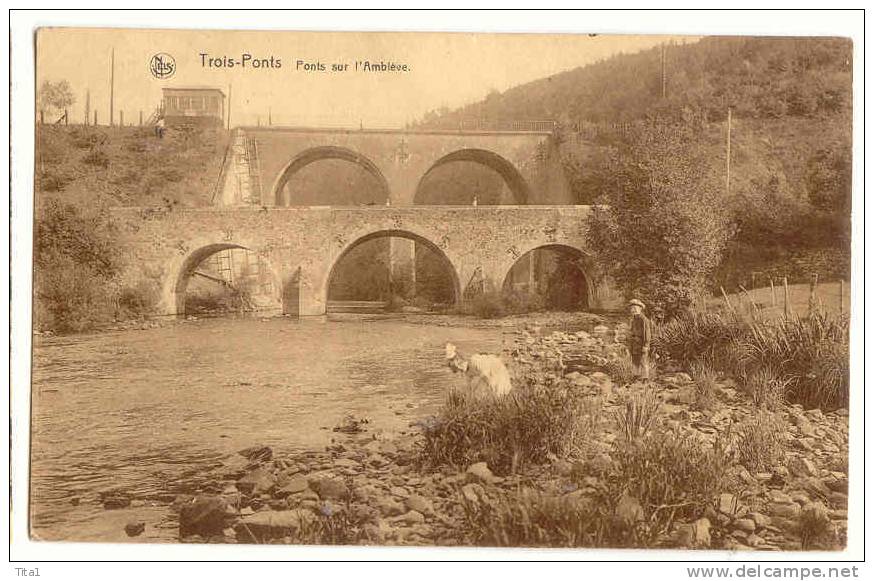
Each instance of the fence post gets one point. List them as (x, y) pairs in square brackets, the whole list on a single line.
[(787, 310), (811, 301)]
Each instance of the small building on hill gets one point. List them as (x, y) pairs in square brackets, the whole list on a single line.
[(193, 106)]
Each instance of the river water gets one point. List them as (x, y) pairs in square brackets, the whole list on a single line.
[(140, 410)]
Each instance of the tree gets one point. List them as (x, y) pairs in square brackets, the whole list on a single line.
[(55, 97), (660, 231)]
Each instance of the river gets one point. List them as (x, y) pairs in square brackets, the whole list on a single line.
[(140, 410)]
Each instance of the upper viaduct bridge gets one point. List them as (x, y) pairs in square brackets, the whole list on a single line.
[(301, 245)]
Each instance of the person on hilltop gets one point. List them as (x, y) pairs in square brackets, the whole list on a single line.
[(639, 338)]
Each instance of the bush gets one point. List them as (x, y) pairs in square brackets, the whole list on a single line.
[(486, 305), (75, 262), (521, 428), (672, 474), (760, 442), (96, 157)]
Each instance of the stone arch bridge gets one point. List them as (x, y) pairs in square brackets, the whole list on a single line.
[(264, 159), (301, 245)]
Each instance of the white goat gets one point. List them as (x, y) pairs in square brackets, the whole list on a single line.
[(482, 369)]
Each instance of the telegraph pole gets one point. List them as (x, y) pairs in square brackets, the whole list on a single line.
[(728, 155), (664, 75), (112, 88)]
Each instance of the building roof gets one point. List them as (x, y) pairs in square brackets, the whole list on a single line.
[(193, 88)]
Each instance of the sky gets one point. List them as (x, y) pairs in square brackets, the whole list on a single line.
[(443, 70)]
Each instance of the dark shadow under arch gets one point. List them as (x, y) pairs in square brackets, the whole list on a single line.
[(190, 264), (320, 153), (444, 260), (514, 180), (571, 256)]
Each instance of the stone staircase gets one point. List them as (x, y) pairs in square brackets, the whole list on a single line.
[(242, 183)]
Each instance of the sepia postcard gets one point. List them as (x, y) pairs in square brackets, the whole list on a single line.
[(565, 291)]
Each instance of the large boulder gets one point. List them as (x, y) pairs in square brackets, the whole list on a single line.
[(257, 481), (204, 516), (271, 524), (329, 488)]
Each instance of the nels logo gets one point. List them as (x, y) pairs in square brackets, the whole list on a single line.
[(162, 66)]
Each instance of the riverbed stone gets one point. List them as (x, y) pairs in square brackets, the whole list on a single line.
[(267, 525), (329, 488), (294, 485), (134, 528), (257, 481), (204, 516), (480, 472), (257, 453)]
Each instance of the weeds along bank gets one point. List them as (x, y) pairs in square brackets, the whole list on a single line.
[(574, 457), (80, 173)]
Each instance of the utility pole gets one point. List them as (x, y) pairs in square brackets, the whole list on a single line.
[(112, 88), (728, 155), (230, 88), (664, 75)]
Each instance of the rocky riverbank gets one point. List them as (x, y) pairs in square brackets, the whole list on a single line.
[(370, 488)]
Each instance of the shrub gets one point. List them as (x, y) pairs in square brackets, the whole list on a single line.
[(486, 305), (96, 157), (523, 427), (673, 474), (638, 414), (75, 262), (620, 370), (519, 302), (760, 442), (136, 301)]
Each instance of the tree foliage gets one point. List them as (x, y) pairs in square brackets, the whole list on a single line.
[(55, 96), (662, 227)]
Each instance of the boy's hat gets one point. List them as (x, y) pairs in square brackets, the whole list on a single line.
[(637, 302)]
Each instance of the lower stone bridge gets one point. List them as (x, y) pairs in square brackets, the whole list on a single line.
[(301, 246)]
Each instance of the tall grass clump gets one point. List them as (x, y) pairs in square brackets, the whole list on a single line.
[(808, 357), (704, 382), (639, 414), (673, 474), (528, 518), (765, 388), (760, 442), (811, 355), (521, 428)]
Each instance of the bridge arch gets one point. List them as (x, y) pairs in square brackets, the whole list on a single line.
[(514, 180), (445, 261), (321, 153), (569, 255), (182, 275)]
